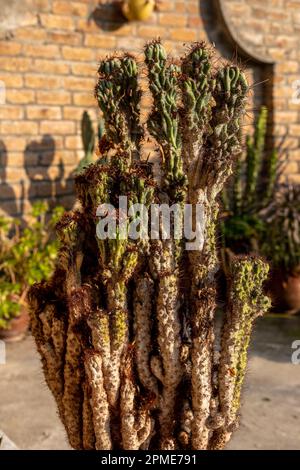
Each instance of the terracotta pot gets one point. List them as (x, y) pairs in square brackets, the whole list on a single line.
[(17, 327), (284, 290)]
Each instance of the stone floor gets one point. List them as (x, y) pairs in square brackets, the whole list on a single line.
[(271, 399)]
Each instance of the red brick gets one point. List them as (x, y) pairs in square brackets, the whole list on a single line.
[(74, 83), (73, 142), (15, 159), (100, 40), (36, 34), (12, 80), (150, 32), (40, 81), (291, 167), (42, 5), (69, 38), (195, 22), (294, 130), (84, 99), (84, 69), (70, 8), (15, 64), (180, 7), (40, 112), (68, 157), (295, 155), (77, 53), (164, 5), (11, 112), (10, 48), (172, 20), (295, 178), (57, 127), (286, 117), (15, 143), (288, 67), (73, 112), (53, 97), (57, 22), (193, 8), (44, 51), (20, 96), (50, 66), (130, 44), (26, 127), (181, 34)]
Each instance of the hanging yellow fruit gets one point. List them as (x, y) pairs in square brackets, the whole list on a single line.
[(138, 10)]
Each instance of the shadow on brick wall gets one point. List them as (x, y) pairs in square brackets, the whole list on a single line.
[(108, 16), (39, 165), (45, 180), (10, 200)]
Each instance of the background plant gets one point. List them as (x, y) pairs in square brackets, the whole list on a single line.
[(89, 137), (282, 246), (125, 328), (251, 191), (27, 255)]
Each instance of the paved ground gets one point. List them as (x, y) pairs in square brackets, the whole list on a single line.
[(270, 413)]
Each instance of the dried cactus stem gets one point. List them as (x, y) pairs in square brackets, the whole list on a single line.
[(99, 403), (143, 301), (88, 434), (98, 322), (73, 373), (135, 424), (42, 320), (185, 432), (169, 343), (117, 306), (204, 265), (245, 302), (169, 339)]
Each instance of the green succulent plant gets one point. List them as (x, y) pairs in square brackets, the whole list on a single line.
[(26, 256), (250, 191), (282, 246)]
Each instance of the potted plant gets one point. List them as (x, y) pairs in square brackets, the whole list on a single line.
[(26, 256), (282, 247)]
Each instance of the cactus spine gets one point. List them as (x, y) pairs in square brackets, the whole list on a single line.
[(128, 345)]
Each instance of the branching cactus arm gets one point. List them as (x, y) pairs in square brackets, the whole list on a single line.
[(118, 95), (246, 301)]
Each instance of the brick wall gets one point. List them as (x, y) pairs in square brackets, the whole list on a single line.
[(49, 50)]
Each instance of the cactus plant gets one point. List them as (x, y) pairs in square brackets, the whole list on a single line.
[(88, 140), (126, 328), (251, 191)]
